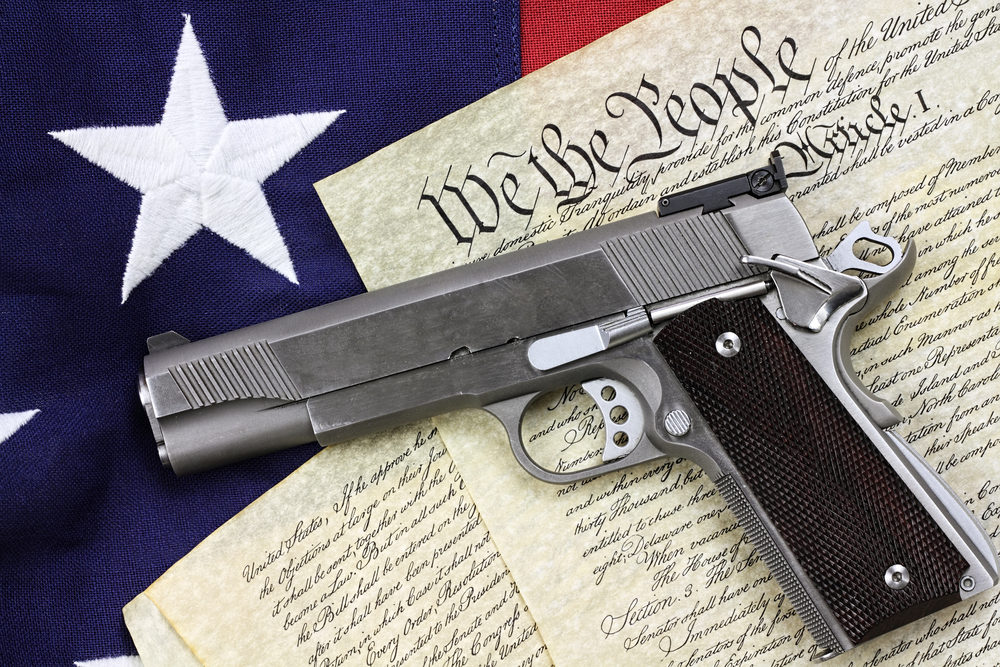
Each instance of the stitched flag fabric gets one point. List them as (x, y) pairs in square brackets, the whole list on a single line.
[(158, 161), (157, 172)]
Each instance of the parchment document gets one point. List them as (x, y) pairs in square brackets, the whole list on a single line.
[(884, 113), (369, 554)]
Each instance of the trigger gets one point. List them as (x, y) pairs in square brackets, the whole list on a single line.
[(622, 413)]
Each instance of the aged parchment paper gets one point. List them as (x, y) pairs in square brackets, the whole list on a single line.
[(370, 554), (886, 114)]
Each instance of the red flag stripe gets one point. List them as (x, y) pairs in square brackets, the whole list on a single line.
[(552, 28)]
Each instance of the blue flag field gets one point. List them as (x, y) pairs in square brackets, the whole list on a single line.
[(157, 171)]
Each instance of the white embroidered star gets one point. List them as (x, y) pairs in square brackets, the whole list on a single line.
[(12, 422), (198, 169), (121, 661)]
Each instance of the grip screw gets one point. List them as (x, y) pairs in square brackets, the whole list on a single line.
[(728, 344), (897, 577), (968, 584)]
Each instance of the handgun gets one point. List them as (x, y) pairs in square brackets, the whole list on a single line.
[(710, 329)]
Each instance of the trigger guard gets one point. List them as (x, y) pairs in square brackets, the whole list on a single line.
[(511, 411), (622, 412)]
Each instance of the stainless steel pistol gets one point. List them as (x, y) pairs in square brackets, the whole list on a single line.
[(710, 329)]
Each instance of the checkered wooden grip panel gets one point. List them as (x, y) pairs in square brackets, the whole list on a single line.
[(844, 513)]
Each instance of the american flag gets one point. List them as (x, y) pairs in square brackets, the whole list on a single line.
[(158, 161)]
